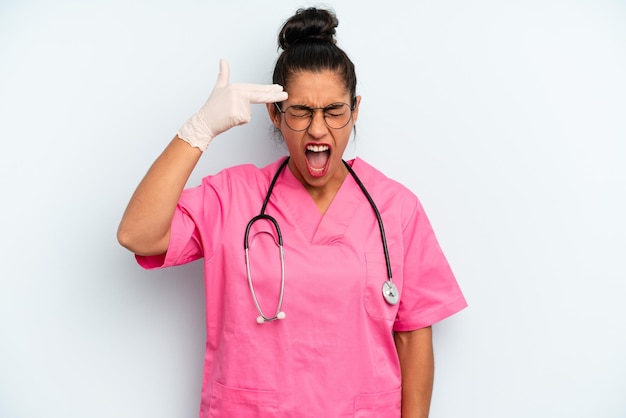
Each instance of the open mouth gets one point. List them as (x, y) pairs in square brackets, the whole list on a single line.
[(317, 157)]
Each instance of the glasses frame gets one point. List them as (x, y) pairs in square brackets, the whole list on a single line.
[(313, 109)]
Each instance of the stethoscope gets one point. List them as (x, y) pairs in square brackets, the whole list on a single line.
[(389, 289)]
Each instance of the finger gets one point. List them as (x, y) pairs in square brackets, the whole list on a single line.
[(259, 93), (268, 97), (224, 75)]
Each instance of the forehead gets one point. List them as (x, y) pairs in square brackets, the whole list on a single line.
[(316, 89)]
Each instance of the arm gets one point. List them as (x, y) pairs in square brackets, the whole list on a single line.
[(145, 225), (415, 351)]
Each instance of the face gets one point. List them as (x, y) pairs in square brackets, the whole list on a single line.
[(316, 152)]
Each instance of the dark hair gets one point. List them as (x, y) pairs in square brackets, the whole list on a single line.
[(308, 42)]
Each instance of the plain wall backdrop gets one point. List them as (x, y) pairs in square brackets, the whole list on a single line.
[(506, 118)]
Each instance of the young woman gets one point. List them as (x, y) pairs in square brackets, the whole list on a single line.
[(323, 277)]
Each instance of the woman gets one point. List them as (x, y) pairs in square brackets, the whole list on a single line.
[(352, 336)]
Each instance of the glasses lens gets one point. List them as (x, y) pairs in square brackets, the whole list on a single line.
[(337, 115), (299, 118)]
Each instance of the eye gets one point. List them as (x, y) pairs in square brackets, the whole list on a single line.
[(299, 111), (336, 110)]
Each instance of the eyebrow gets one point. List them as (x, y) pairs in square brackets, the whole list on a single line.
[(324, 107)]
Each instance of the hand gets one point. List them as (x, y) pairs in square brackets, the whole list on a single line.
[(228, 106)]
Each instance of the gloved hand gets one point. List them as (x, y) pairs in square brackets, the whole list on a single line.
[(228, 106)]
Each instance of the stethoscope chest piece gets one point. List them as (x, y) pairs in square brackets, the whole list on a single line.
[(390, 292)]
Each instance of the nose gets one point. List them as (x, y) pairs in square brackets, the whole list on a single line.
[(318, 125)]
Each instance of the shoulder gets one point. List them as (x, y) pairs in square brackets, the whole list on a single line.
[(389, 194), (246, 176), (240, 183), (377, 182)]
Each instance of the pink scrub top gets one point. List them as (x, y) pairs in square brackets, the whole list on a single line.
[(334, 353)]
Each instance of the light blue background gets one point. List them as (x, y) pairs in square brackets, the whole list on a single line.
[(506, 118)]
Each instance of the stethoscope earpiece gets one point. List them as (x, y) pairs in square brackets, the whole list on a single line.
[(261, 319)]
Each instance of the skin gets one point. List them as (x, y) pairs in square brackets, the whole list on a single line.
[(316, 89), (415, 351), (145, 225)]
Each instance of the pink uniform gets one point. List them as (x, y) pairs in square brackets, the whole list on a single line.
[(334, 354)]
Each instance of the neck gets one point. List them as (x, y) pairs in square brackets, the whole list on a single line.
[(324, 195)]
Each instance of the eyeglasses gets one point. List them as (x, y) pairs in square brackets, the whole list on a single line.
[(299, 117)]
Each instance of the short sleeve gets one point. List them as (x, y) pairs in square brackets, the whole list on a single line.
[(197, 225), (430, 292), (184, 245)]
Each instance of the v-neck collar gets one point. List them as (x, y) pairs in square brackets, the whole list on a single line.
[(318, 229)]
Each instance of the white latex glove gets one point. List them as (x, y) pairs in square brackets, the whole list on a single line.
[(228, 106)]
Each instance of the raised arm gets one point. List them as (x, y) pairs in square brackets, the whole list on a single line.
[(145, 225)]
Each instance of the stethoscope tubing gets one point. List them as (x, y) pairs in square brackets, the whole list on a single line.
[(383, 238), (390, 291), (262, 215)]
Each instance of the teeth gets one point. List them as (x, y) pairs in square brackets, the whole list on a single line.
[(317, 148)]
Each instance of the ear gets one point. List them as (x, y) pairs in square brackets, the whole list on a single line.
[(274, 114), (355, 112)]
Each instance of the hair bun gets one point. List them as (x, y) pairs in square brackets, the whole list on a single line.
[(308, 24)]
